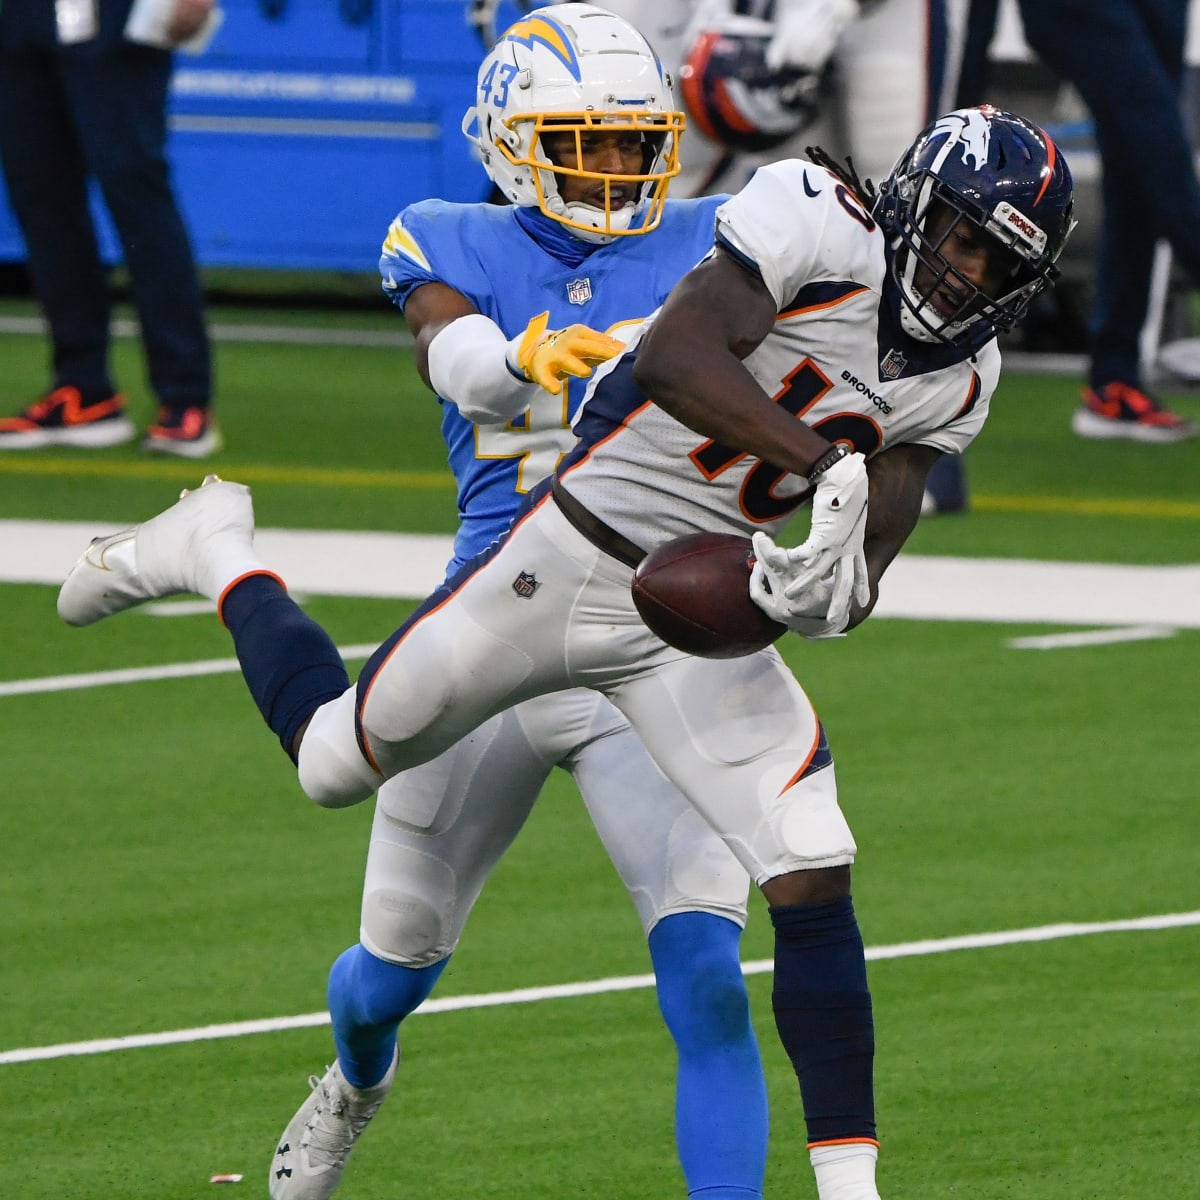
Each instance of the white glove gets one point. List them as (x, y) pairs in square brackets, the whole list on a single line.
[(806, 32), (816, 581), (819, 610), (839, 525)]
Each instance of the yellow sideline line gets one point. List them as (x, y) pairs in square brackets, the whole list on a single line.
[(192, 472), (1109, 506), (355, 477)]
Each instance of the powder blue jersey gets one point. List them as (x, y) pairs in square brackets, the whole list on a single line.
[(487, 254)]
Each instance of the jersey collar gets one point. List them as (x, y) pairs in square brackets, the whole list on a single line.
[(554, 238)]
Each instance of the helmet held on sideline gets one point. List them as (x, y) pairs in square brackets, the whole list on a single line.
[(735, 98)]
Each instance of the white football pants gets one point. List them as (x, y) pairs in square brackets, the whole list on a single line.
[(736, 736), (441, 827)]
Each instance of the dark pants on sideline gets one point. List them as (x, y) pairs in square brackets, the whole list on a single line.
[(98, 111), (1125, 57)]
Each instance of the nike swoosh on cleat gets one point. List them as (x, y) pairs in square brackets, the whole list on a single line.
[(104, 545)]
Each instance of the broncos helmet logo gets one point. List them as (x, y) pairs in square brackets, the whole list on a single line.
[(540, 31), (970, 129)]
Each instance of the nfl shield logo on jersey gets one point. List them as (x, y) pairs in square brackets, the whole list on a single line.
[(893, 363), (579, 291), (526, 584)]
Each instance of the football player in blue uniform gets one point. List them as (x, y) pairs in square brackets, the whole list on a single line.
[(828, 351), (507, 305)]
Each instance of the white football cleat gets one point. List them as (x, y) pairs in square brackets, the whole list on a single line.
[(200, 544), (313, 1150)]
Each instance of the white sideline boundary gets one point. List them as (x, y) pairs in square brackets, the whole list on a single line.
[(917, 587), (594, 987)]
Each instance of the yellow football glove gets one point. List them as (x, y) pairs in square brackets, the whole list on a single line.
[(547, 356)]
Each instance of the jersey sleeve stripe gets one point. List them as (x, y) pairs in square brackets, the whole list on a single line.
[(815, 296), (742, 259), (400, 241)]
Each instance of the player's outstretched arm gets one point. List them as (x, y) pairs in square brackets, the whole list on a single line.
[(465, 358)]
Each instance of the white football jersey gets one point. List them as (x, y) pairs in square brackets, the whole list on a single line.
[(836, 357)]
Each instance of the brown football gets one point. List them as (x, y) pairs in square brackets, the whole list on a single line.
[(693, 592)]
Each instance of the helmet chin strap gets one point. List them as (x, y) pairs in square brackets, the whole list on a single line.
[(592, 217), (934, 327), (585, 214), (910, 300)]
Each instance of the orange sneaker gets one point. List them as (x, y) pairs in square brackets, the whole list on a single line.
[(186, 432), (60, 418), (1119, 410)]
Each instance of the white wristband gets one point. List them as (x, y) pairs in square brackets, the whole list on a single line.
[(468, 367)]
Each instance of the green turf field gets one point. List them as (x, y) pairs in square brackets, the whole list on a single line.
[(163, 872)]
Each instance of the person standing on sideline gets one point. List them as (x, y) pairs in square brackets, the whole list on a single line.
[(497, 298), (80, 101), (1125, 58)]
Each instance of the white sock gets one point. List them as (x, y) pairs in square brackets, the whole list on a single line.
[(845, 1172)]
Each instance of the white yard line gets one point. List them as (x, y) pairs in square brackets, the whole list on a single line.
[(90, 679), (594, 987), (1092, 637)]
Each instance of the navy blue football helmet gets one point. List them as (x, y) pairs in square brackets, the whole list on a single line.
[(734, 97), (1007, 178)]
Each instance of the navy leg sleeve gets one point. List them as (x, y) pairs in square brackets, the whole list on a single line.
[(823, 1014), (290, 663)]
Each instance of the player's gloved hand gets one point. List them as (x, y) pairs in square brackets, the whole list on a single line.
[(547, 356), (831, 558), (806, 32), (819, 610)]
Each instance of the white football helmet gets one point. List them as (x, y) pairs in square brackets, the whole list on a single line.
[(574, 68)]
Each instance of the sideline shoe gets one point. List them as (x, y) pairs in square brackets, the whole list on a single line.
[(187, 433), (1121, 411), (60, 418), (313, 1150), (200, 544)]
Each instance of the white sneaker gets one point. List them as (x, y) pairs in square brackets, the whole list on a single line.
[(313, 1150), (200, 544)]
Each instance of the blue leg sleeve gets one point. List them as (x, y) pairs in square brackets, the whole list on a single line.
[(823, 1014), (721, 1096), (368, 998)]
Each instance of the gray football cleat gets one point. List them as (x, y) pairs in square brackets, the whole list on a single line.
[(199, 544), (313, 1150)]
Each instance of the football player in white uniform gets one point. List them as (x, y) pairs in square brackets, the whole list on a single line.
[(830, 348), (487, 288)]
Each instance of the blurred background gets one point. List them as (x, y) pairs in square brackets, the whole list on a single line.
[(1017, 761), (306, 125)]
